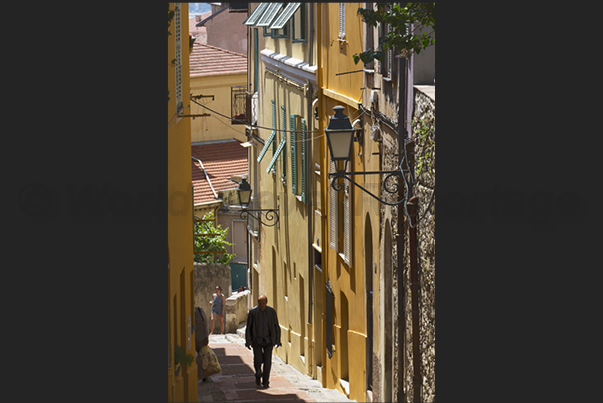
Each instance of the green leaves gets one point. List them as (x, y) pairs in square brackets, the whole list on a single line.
[(368, 56), (170, 18), (213, 241), (399, 36), (180, 357)]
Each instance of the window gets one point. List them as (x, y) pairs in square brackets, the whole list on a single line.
[(300, 25), (268, 19), (370, 39), (277, 33), (178, 39), (340, 219), (297, 126), (294, 152), (238, 104), (341, 21), (385, 67)]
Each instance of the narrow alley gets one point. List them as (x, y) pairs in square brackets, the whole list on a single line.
[(236, 382)]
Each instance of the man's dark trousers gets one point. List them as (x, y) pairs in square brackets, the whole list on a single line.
[(262, 355)]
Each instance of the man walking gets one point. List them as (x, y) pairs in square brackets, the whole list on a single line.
[(262, 333)]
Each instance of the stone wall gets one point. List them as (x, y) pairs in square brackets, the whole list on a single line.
[(424, 188), (236, 310), (207, 277)]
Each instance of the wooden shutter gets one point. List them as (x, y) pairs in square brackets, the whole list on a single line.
[(178, 39), (272, 134), (341, 20), (329, 319), (283, 140), (303, 160), (278, 152), (333, 213), (292, 127), (347, 223)]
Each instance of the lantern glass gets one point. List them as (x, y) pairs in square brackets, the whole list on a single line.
[(340, 135), (244, 191), (340, 144)]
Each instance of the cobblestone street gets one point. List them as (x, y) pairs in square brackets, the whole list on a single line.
[(236, 382)]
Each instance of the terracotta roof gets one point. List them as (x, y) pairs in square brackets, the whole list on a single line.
[(221, 161), (206, 60)]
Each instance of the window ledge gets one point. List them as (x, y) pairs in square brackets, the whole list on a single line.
[(345, 259)]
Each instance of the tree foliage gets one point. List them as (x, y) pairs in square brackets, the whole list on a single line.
[(399, 16), (215, 241)]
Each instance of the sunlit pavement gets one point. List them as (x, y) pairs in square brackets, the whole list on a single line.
[(236, 382)]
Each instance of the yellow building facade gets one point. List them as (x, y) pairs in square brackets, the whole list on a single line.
[(319, 267), (182, 379), (217, 75), (282, 77), (351, 226)]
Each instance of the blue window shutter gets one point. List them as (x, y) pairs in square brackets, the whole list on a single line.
[(303, 159), (292, 121)]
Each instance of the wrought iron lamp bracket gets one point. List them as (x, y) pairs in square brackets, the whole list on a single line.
[(388, 186), (269, 215)]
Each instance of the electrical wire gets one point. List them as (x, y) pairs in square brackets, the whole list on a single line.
[(266, 128), (255, 127)]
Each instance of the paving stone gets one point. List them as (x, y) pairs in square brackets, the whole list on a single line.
[(236, 382)]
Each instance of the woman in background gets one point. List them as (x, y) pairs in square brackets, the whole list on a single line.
[(217, 309)]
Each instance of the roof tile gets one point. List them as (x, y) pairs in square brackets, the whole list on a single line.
[(221, 161), (208, 60)]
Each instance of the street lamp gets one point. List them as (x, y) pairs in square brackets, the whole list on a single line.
[(244, 191), (340, 137)]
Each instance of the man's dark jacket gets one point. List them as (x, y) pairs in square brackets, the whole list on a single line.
[(252, 338)]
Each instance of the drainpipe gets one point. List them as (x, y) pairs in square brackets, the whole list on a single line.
[(414, 291), (206, 176)]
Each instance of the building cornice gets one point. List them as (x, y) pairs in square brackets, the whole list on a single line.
[(294, 69)]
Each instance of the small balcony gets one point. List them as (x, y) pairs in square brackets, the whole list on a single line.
[(239, 105)]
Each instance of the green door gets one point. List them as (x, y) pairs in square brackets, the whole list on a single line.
[(238, 275)]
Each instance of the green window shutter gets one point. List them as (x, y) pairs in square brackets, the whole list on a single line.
[(256, 57), (280, 148), (272, 134), (292, 124), (303, 159), (266, 145)]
